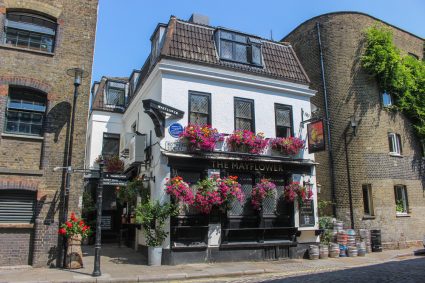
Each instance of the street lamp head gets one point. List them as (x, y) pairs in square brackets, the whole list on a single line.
[(77, 74), (354, 123)]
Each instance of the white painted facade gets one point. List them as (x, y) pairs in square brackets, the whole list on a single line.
[(170, 83), (100, 122)]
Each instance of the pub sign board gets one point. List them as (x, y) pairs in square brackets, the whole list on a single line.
[(316, 136), (306, 214)]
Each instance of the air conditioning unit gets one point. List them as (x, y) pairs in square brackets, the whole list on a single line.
[(124, 143), (136, 150)]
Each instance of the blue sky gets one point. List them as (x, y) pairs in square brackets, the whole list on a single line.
[(125, 26)]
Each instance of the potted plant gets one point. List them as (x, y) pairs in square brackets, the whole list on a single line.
[(290, 146), (207, 195), (202, 138), (152, 216), (75, 230), (247, 141), (295, 191), (262, 190)]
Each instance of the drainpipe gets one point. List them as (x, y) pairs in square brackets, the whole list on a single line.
[(350, 194), (328, 130)]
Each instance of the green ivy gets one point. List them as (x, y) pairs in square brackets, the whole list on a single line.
[(402, 76)]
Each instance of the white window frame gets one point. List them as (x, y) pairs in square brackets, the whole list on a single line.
[(404, 199), (395, 139)]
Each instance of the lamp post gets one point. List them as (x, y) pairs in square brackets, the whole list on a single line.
[(353, 123), (78, 74), (97, 244)]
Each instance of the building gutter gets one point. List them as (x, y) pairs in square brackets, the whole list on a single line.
[(328, 130)]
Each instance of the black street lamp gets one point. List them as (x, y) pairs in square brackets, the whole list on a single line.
[(78, 74), (97, 244)]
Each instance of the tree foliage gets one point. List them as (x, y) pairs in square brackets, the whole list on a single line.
[(403, 76)]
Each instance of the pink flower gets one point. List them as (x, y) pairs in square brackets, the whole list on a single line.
[(288, 146), (263, 189)]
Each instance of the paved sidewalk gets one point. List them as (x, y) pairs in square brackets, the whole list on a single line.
[(125, 265)]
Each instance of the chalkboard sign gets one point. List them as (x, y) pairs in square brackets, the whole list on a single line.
[(306, 214), (106, 222)]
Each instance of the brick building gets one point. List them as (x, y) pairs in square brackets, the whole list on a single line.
[(40, 40), (385, 159)]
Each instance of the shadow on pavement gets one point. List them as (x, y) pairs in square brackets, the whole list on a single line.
[(396, 271)]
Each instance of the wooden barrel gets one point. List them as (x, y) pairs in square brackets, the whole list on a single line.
[(333, 250), (313, 252), (323, 252), (352, 251)]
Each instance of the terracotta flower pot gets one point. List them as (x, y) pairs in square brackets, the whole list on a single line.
[(74, 254)]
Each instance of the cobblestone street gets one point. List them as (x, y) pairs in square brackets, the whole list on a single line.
[(398, 270)]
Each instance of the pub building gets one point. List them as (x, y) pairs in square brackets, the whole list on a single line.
[(199, 74)]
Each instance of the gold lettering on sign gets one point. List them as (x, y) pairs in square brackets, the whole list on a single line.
[(247, 166)]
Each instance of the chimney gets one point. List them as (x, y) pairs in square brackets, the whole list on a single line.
[(199, 19)]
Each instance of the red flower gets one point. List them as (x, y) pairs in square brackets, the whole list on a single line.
[(62, 231), (81, 223), (69, 224), (85, 228)]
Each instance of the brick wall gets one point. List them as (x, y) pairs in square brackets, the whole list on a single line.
[(16, 246), (32, 160), (351, 90)]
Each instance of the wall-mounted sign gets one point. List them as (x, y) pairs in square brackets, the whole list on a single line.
[(175, 130), (306, 214), (316, 136)]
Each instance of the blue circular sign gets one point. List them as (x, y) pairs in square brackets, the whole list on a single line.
[(175, 130)]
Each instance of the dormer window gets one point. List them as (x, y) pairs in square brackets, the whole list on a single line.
[(30, 31), (239, 48), (115, 94)]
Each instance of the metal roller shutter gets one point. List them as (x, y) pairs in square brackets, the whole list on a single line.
[(17, 206)]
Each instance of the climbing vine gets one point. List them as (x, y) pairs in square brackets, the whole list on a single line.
[(401, 75)]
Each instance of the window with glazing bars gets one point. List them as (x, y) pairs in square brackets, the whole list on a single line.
[(30, 31), (111, 145), (115, 95), (25, 112), (239, 48), (244, 114), (199, 108), (283, 117)]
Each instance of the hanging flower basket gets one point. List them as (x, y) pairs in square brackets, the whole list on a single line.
[(296, 191), (246, 141), (202, 138), (262, 190), (113, 164), (290, 146), (178, 189)]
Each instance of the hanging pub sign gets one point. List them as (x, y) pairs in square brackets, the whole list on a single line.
[(316, 136)]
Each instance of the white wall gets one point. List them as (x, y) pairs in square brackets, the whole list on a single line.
[(100, 122)]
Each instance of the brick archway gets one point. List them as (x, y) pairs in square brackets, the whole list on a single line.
[(23, 81), (34, 5)]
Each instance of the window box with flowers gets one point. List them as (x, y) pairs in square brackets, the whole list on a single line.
[(113, 164), (247, 142), (75, 230), (203, 138), (290, 146)]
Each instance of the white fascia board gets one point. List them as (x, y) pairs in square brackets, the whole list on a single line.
[(218, 74)]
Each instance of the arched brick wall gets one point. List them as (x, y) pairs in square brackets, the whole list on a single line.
[(33, 5)]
